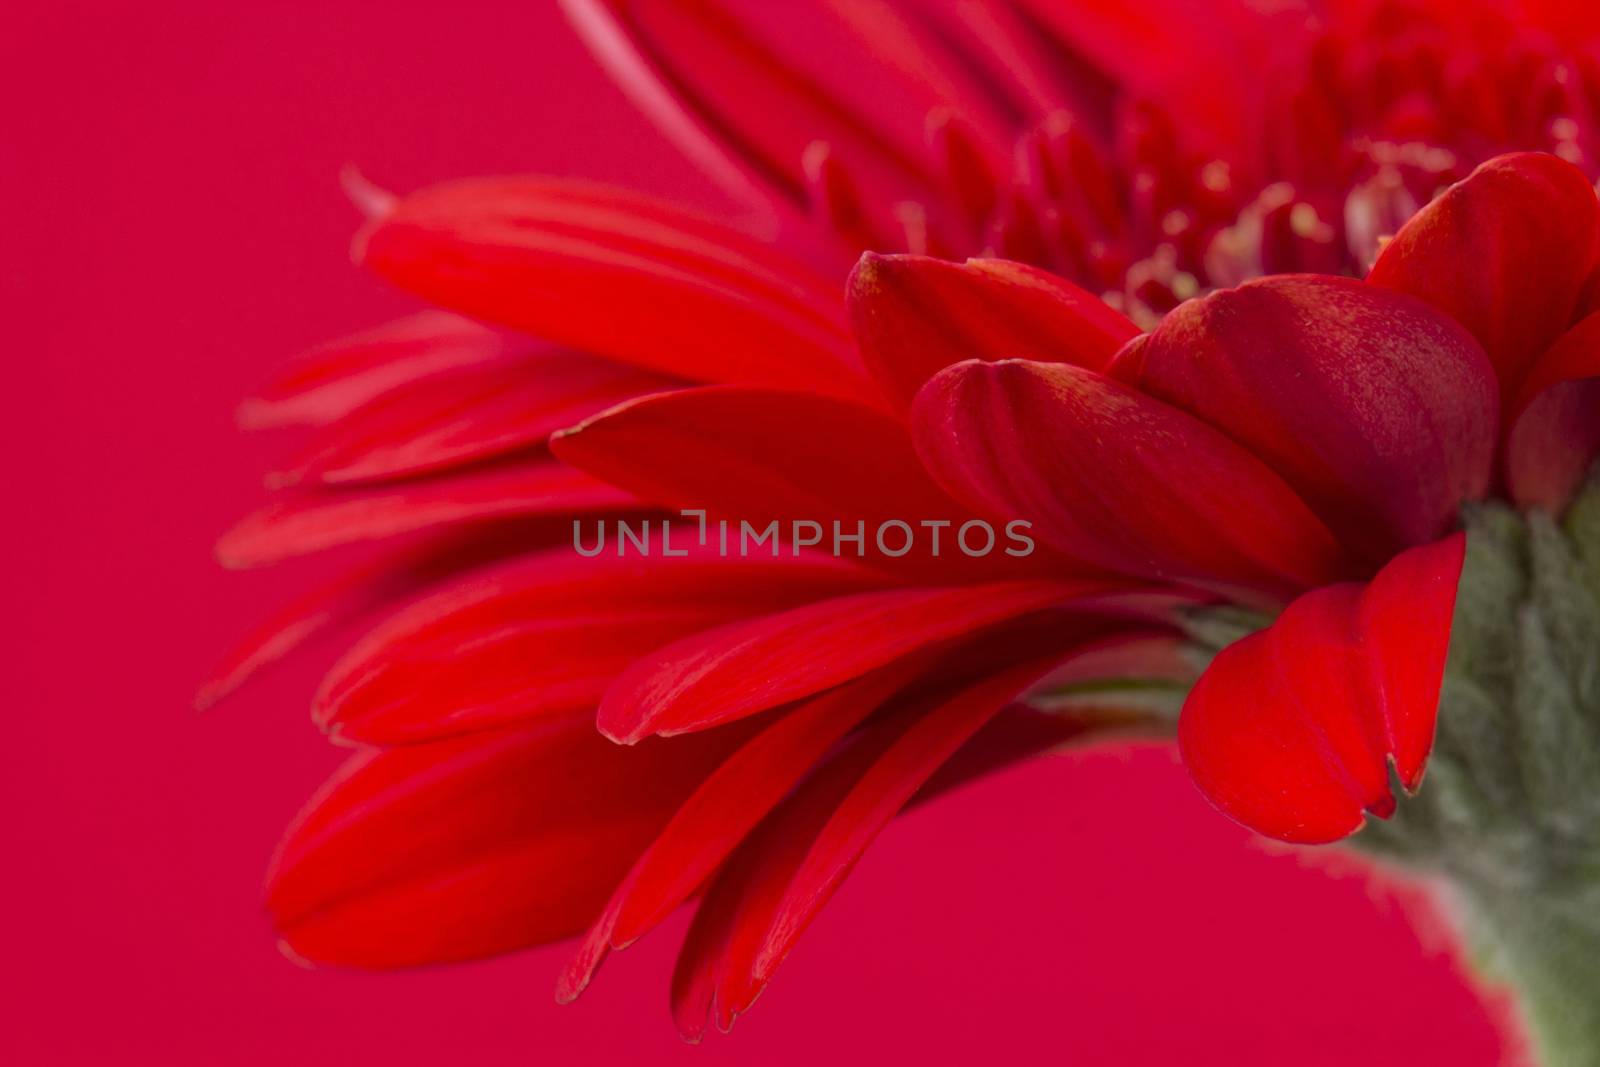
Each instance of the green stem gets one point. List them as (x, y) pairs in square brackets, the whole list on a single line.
[(1548, 949)]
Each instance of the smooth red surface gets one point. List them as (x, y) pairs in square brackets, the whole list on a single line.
[(170, 228)]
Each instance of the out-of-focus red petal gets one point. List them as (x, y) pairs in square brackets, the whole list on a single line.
[(716, 818), (547, 635), (736, 104), (476, 846), (334, 379), (1015, 57), (362, 590), (1202, 63), (1379, 411), (308, 522), (1291, 730), (747, 667), (1555, 432), (1112, 476), (467, 415), (788, 869), (837, 204), (347, 596), (914, 316), (897, 37), (558, 259), (1505, 252), (370, 587)]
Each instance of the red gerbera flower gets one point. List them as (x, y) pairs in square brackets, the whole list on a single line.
[(990, 515)]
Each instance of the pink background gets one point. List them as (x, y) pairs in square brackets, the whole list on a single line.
[(171, 228)]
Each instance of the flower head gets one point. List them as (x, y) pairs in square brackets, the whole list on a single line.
[(984, 495)]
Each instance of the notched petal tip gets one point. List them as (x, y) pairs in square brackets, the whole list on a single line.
[(1298, 730)]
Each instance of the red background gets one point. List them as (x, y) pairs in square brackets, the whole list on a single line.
[(172, 226)]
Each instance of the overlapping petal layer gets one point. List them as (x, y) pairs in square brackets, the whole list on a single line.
[(1112, 476), (314, 521), (468, 415), (334, 379), (558, 259), (1380, 412), (746, 667), (771, 889), (1506, 253), (474, 846), (913, 316), (548, 635), (722, 811)]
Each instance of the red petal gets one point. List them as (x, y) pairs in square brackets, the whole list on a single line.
[(313, 521), (716, 818), (360, 591), (365, 589), (476, 846), (1290, 730), (752, 452), (1555, 434), (348, 596), (1377, 410), (468, 415), (1505, 252), (789, 868), (746, 667), (333, 379), (546, 636), (759, 455), (914, 316), (558, 259), (1114, 477)]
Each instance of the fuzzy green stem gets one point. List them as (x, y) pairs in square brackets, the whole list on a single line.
[(1509, 813), (1548, 950)]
